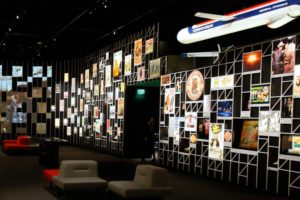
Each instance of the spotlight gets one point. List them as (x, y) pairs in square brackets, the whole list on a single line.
[(114, 32), (54, 39), (105, 6), (18, 17), (9, 29), (3, 44)]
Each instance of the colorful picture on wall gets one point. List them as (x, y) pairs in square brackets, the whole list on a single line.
[(249, 135), (216, 141), (41, 128), (222, 82), (127, 70), (296, 143), (49, 71), (17, 71), (203, 128), (141, 73), (190, 121), (227, 136), (95, 72), (169, 104), (287, 107), (120, 108), (117, 65), (165, 80), (154, 68), (138, 52), (37, 71), (5, 83), (193, 140), (194, 85), (178, 86), (149, 46), (87, 78), (269, 122), (296, 88), (66, 77), (108, 76), (283, 55), (224, 109), (252, 61), (260, 95)]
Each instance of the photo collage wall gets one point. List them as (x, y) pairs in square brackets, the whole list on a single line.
[(89, 103), (237, 117), (26, 92)]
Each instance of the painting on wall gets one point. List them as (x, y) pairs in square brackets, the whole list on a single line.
[(216, 141), (154, 68), (127, 70), (117, 65), (95, 70), (190, 123), (194, 85), (17, 71), (260, 95), (120, 108), (296, 88), (87, 78), (108, 76), (141, 73), (252, 61), (149, 46), (169, 103), (165, 80), (283, 56), (138, 52), (37, 71), (224, 109), (249, 135)]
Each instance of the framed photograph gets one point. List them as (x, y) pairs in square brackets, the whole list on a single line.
[(296, 88), (287, 107), (108, 76), (224, 109), (165, 80), (178, 86), (149, 46), (49, 71), (95, 72), (87, 78), (120, 108), (37, 71), (222, 82), (252, 61), (138, 52), (283, 56), (17, 71), (216, 141), (249, 135), (141, 73), (203, 128), (227, 136), (194, 85), (169, 103), (117, 65), (127, 70), (154, 68), (260, 95), (190, 121), (66, 77)]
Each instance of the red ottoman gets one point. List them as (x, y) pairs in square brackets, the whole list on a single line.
[(49, 173)]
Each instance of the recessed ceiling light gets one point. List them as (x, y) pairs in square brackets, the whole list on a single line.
[(39, 42), (18, 17), (9, 29), (3, 44)]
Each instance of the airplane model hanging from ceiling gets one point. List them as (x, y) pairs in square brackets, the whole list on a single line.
[(273, 13)]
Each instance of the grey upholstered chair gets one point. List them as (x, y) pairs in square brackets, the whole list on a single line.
[(149, 182), (78, 174)]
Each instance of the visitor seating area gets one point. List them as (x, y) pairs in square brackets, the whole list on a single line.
[(22, 143), (78, 175), (149, 182)]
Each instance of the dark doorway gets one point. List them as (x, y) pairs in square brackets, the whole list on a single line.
[(141, 103)]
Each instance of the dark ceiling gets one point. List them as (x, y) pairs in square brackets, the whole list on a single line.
[(69, 28)]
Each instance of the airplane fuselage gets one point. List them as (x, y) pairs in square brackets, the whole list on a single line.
[(272, 13)]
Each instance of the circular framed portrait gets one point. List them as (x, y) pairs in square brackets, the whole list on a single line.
[(194, 85)]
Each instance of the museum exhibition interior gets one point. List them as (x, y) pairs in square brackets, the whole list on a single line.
[(106, 99)]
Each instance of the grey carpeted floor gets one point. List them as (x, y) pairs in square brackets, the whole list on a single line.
[(21, 179)]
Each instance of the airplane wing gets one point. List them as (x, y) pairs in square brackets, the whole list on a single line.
[(280, 22), (214, 16)]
